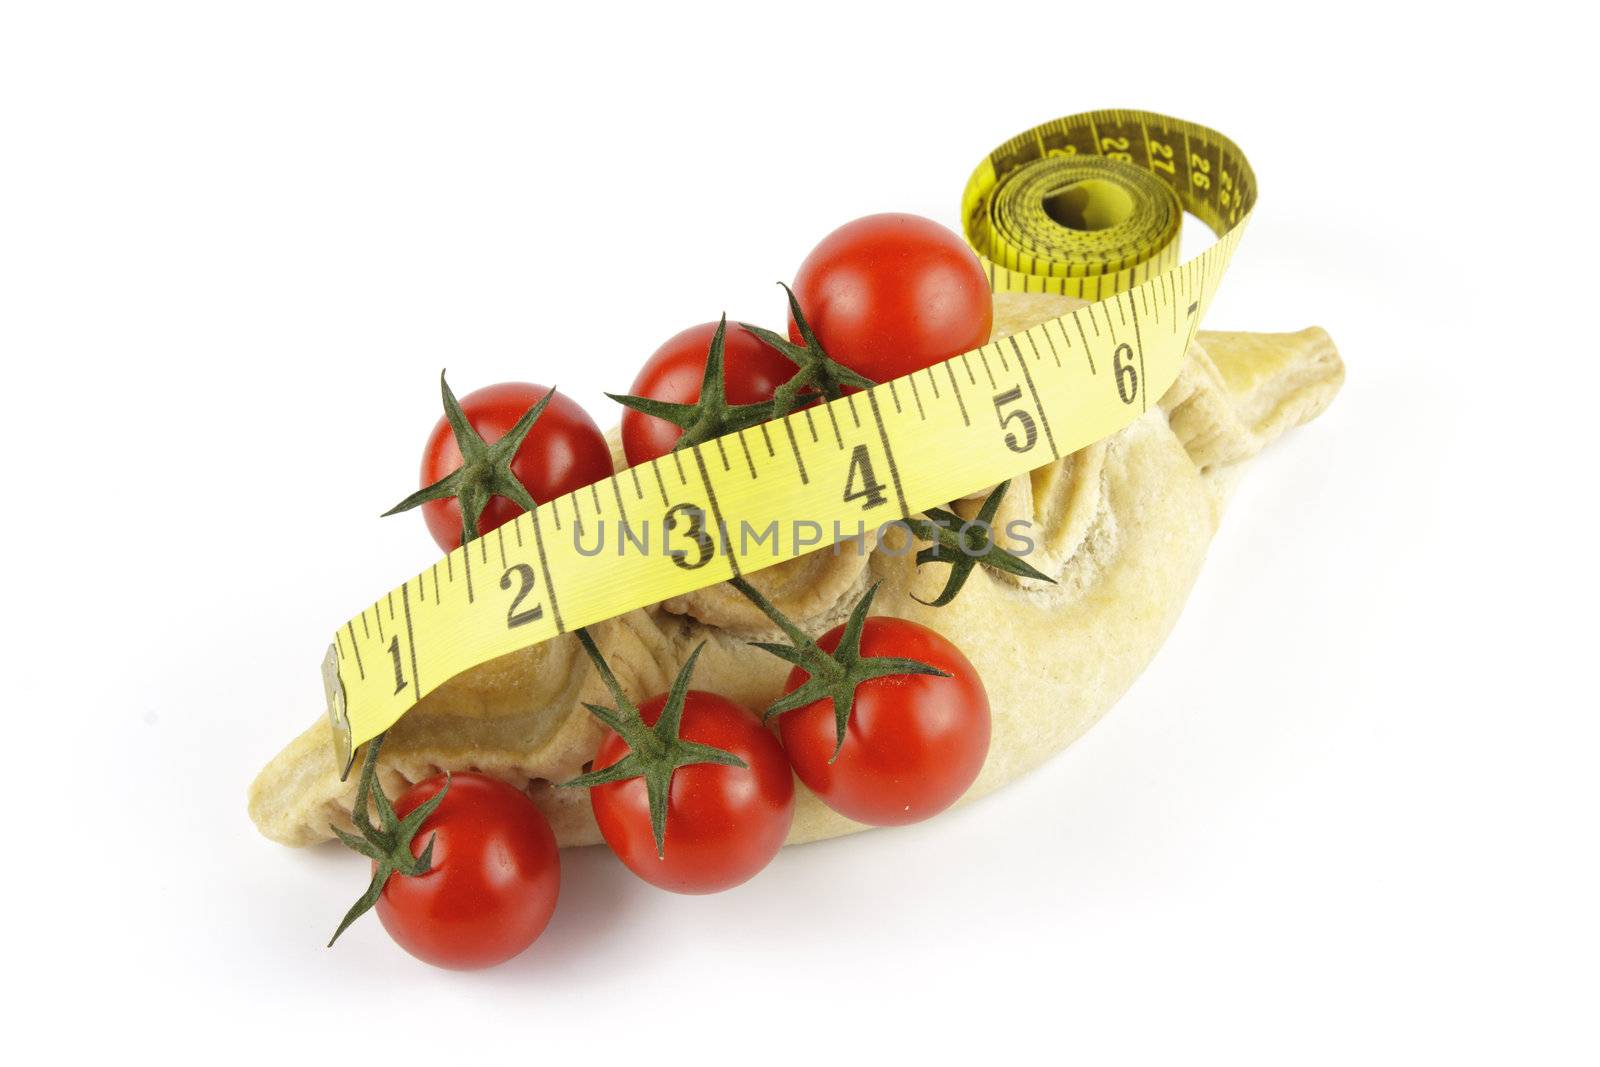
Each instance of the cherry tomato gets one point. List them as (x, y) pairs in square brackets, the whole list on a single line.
[(564, 451), (723, 823), (493, 883), (914, 742), (890, 294), (751, 373)]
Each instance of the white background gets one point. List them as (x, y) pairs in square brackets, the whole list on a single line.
[(1348, 814)]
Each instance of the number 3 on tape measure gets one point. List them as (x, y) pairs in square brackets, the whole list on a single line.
[(693, 519)]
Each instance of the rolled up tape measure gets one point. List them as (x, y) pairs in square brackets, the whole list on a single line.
[(1088, 206)]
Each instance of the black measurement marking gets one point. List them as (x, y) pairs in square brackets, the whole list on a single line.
[(987, 369), (954, 388), (377, 617), (1002, 354), (362, 667), (555, 511), (389, 598), (723, 452), (1088, 349), (466, 563), (772, 453), (677, 458), (748, 459), (1052, 343), (933, 383), (438, 598), (661, 483), (855, 416), (811, 424), (1034, 347), (500, 535), (364, 630), (894, 467), (923, 415), (483, 549), (716, 510), (1138, 341), (449, 568), (594, 492), (966, 362), (895, 396), (833, 420), (638, 488), (622, 511), (411, 639), (544, 568), (422, 595), (1194, 307), (516, 527), (794, 446), (1044, 419)]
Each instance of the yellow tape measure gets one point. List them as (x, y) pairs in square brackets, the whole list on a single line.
[(1088, 206)]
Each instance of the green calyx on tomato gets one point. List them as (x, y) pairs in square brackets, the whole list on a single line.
[(485, 470), (711, 415), (833, 676), (388, 846), (964, 545), (655, 752), (817, 370)]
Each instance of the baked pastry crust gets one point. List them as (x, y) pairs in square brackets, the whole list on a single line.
[(1122, 525)]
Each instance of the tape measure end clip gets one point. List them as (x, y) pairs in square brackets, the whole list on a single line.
[(338, 716)]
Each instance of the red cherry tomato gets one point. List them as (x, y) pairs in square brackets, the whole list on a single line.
[(751, 373), (914, 742), (494, 880), (564, 451), (890, 294), (723, 823)]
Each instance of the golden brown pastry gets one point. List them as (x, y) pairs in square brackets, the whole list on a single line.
[(1121, 525)]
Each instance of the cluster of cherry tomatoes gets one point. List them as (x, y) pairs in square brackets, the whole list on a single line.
[(883, 719)]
